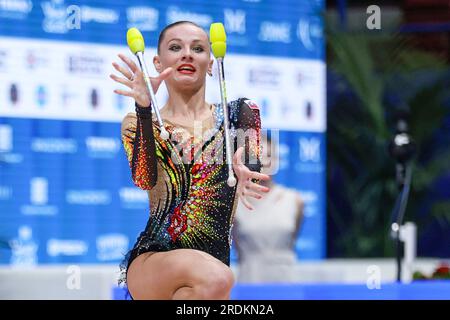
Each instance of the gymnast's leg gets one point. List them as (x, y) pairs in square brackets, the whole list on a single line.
[(179, 274)]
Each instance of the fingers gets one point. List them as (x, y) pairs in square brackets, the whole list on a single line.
[(165, 74), (237, 158), (250, 189), (156, 81), (245, 173), (130, 63), (257, 175), (246, 203), (126, 73), (249, 193), (123, 81), (256, 187), (124, 93)]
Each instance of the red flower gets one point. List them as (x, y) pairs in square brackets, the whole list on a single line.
[(198, 172), (178, 224), (442, 271)]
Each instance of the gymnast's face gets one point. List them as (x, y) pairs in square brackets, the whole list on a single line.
[(186, 49)]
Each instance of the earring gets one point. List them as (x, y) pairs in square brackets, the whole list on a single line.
[(210, 73)]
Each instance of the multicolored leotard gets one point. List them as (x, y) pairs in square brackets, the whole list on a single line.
[(191, 205)]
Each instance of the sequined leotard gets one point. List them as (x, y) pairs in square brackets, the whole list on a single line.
[(191, 205)]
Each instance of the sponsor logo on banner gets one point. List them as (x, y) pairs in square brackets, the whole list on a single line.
[(236, 27), (309, 110), (59, 18), (305, 78), (14, 94), (101, 147), (289, 109), (309, 149), (143, 18), (61, 247), (235, 21), (284, 151), (15, 9), (38, 191), (6, 146), (39, 199), (28, 210), (275, 32), (310, 156), (5, 193), (264, 75), (99, 15), (54, 145), (111, 246), (36, 59), (311, 199), (133, 198), (41, 96), (24, 248), (93, 97), (86, 64), (6, 138), (69, 95), (88, 197), (174, 14), (3, 57), (309, 32)]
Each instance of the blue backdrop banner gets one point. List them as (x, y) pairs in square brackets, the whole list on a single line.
[(66, 194)]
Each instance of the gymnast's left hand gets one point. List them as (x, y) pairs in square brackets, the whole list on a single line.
[(246, 187)]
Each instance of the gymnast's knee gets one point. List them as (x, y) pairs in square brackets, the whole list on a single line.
[(216, 284)]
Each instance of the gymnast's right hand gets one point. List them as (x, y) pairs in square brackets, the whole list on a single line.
[(134, 79)]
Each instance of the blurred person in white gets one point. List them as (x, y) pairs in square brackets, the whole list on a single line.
[(264, 238)]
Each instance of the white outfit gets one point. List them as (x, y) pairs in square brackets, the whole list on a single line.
[(264, 237)]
